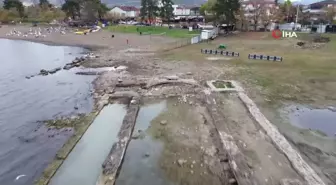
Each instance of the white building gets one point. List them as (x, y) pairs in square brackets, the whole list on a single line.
[(125, 11), (181, 11), (318, 10)]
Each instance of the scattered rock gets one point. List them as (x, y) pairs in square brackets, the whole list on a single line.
[(146, 155), (300, 43), (249, 164), (76, 61), (44, 72), (181, 162), (135, 135), (163, 122), (173, 77), (232, 181), (332, 108), (121, 68), (68, 66), (55, 70)]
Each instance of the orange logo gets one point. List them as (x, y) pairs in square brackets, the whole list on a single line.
[(276, 34)]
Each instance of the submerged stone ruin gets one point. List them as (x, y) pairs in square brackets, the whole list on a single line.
[(214, 148)]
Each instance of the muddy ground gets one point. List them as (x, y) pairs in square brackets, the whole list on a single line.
[(191, 137)]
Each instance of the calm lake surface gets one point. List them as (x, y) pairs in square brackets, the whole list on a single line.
[(26, 146)]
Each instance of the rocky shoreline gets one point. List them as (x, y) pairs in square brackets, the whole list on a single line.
[(77, 62)]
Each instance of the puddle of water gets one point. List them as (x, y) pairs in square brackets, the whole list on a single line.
[(140, 164), (83, 165), (323, 120)]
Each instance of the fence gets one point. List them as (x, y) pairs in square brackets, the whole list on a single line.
[(182, 43), (220, 52), (196, 39), (176, 44)]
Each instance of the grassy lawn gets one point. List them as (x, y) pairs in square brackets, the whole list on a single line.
[(154, 30), (305, 75)]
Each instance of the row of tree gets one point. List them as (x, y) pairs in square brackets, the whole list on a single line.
[(229, 11), (44, 11), (217, 11)]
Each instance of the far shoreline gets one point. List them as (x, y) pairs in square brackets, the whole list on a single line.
[(53, 43)]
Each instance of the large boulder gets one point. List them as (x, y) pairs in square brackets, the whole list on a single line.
[(55, 70), (44, 72), (68, 66)]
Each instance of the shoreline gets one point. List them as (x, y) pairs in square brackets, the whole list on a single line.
[(55, 43), (84, 120), (56, 39)]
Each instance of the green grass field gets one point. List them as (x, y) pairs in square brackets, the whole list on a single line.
[(154, 30), (306, 74)]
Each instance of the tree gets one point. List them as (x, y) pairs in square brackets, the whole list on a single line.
[(241, 19), (270, 15), (71, 8), (44, 4), (330, 14), (102, 10), (288, 10), (9, 4), (225, 11), (93, 9), (256, 13), (166, 11), (149, 10)]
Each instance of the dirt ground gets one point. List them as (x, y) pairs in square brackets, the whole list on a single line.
[(306, 76), (268, 84)]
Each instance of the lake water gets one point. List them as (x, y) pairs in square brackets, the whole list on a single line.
[(26, 147), (84, 164), (137, 168), (323, 120)]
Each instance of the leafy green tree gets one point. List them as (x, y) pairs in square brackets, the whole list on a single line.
[(44, 4), (166, 11), (225, 11), (288, 10), (143, 9), (102, 10), (149, 10), (71, 8), (17, 4), (93, 9)]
